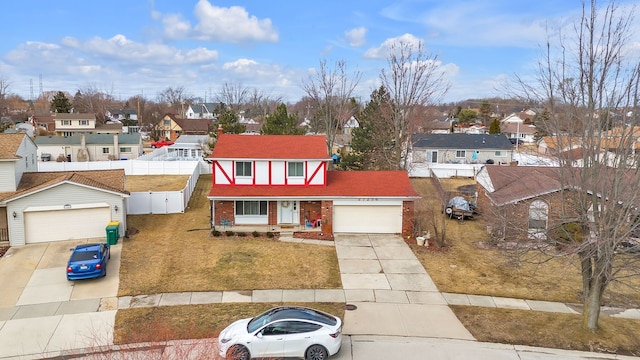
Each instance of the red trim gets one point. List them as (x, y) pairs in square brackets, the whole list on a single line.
[(253, 175), (286, 179), (320, 166), (270, 173), (217, 164)]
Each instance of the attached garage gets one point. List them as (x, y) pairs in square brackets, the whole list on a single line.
[(88, 221), (372, 217)]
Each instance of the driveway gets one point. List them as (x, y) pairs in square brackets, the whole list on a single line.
[(36, 274)]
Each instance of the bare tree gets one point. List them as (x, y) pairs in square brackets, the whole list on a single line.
[(4, 92), (414, 80), (331, 90), (92, 100), (261, 104), (590, 82), (234, 96), (177, 98)]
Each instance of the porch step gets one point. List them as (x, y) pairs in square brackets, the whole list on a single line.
[(4, 243), (286, 234)]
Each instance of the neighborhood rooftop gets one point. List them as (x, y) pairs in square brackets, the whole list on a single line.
[(230, 146)]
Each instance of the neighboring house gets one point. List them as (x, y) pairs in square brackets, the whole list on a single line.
[(283, 180), (341, 144), (48, 123), (519, 202), (553, 145), (91, 147), (74, 123), (111, 128), (514, 118), (440, 126), (461, 149), (122, 115), (200, 111), (52, 206), (351, 124), (190, 147), (172, 127), (516, 130)]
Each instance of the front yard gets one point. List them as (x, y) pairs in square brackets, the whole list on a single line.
[(467, 266), (176, 252)]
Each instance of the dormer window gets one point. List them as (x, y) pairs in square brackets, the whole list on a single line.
[(295, 169), (243, 168)]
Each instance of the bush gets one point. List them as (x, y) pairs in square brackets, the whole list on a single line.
[(255, 233), (241, 233), (228, 233), (216, 233), (269, 234)]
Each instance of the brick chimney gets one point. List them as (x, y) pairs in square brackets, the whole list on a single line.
[(220, 131)]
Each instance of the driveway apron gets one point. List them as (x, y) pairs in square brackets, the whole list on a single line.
[(392, 292)]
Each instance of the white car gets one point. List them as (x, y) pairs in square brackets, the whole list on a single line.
[(285, 331)]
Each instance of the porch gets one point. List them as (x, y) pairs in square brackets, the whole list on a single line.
[(281, 228)]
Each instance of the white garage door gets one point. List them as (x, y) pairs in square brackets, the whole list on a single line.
[(45, 226), (385, 219)]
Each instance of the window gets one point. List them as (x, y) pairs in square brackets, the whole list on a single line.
[(66, 122), (243, 168), (84, 122), (105, 150), (296, 169), (167, 123), (500, 153), (125, 149), (538, 215), (251, 208), (461, 153), (432, 156)]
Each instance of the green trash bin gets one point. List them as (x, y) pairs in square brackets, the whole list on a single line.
[(112, 232)]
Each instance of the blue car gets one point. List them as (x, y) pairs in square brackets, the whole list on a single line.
[(88, 261)]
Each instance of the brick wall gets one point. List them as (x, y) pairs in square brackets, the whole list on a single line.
[(327, 216), (309, 210), (223, 211), (272, 212), (408, 218)]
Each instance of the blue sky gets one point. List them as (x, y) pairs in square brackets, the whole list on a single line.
[(134, 47)]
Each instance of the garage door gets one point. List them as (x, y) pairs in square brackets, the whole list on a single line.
[(367, 219), (45, 226)]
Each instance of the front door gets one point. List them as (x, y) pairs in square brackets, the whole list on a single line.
[(289, 212)]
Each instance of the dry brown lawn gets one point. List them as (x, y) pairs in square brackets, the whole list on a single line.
[(139, 183), (193, 321), (465, 267), (175, 252)]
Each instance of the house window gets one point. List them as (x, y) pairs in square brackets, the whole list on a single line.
[(125, 149), (296, 168), (105, 150), (432, 156), (243, 168), (167, 123), (538, 215), (251, 208), (67, 133), (84, 122), (461, 154), (66, 122), (500, 153)]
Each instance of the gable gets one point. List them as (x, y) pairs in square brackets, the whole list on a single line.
[(462, 141), (232, 146)]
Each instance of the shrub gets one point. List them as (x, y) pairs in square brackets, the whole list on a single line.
[(228, 233), (269, 234), (241, 233), (216, 233), (255, 233)]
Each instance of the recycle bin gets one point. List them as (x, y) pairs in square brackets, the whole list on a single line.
[(112, 232)]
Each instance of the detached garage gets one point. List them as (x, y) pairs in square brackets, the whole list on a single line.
[(367, 217)]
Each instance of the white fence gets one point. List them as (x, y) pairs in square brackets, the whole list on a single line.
[(444, 170), (148, 202)]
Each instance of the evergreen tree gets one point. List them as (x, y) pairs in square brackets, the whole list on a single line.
[(281, 123), (494, 128), (60, 103), (230, 123)]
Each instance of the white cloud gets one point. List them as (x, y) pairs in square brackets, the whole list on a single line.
[(382, 52), (223, 24), (356, 37), (240, 66)]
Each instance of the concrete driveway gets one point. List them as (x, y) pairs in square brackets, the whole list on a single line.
[(36, 274)]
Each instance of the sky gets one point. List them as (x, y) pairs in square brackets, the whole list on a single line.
[(141, 47)]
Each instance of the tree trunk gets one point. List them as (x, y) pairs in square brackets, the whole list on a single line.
[(595, 272)]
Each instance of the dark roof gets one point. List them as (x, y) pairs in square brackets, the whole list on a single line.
[(462, 141), (516, 183), (90, 139), (193, 125)]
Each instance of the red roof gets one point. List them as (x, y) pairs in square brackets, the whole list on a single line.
[(339, 184), (232, 146)]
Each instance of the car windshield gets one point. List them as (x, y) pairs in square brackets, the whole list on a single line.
[(260, 320), (283, 313), (84, 255)]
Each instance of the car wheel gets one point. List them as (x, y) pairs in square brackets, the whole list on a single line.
[(238, 352), (316, 352)]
